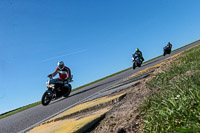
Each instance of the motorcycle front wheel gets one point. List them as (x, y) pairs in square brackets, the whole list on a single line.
[(46, 98), (134, 66), (164, 53)]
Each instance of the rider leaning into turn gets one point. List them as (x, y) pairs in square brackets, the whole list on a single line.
[(64, 72), (137, 51)]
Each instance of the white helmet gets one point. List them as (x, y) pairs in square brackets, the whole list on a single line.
[(61, 65)]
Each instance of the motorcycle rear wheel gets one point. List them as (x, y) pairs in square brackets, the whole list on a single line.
[(68, 91), (139, 63)]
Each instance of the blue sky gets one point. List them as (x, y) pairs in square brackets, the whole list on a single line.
[(95, 38)]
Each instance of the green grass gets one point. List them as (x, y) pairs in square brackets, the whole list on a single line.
[(176, 106), (37, 103)]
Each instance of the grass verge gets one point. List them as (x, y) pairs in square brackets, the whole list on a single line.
[(176, 106)]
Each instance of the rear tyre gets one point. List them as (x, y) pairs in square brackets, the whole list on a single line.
[(46, 98), (69, 89), (139, 65)]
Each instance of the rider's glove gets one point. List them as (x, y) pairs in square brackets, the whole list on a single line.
[(50, 76)]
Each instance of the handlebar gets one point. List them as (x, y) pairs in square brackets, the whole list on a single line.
[(50, 76)]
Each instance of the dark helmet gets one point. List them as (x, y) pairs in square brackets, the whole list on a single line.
[(61, 65)]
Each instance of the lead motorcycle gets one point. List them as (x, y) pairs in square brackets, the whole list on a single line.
[(56, 89), (137, 61)]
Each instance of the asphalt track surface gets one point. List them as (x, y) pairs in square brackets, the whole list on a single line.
[(24, 120)]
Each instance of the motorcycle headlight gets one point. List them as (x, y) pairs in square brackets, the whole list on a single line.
[(47, 83), (50, 84)]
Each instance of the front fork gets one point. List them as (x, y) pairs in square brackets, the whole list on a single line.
[(52, 92)]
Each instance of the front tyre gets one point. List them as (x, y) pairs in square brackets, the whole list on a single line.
[(134, 65), (164, 53), (46, 98)]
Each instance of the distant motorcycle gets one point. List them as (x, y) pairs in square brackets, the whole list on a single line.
[(166, 50), (137, 61), (56, 90)]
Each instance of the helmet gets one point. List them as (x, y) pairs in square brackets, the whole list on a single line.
[(137, 49), (61, 65)]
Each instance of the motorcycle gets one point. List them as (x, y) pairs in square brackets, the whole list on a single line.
[(166, 50), (56, 89), (137, 61)]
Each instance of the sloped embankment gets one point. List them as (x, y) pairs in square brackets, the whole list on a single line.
[(176, 106), (170, 99)]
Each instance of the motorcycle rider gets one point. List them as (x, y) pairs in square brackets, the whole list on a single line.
[(169, 45), (137, 51), (58, 89), (167, 49), (64, 72)]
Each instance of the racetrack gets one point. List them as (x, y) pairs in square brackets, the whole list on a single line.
[(33, 116)]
